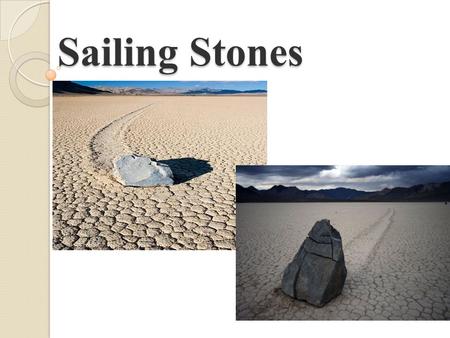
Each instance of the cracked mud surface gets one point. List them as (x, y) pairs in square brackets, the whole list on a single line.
[(397, 256), (201, 138)]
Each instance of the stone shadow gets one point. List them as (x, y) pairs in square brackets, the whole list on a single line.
[(187, 168)]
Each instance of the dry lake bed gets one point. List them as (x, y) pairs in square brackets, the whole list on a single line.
[(201, 138), (397, 256)]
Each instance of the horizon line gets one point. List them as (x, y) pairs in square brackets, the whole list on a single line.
[(339, 187), (192, 85)]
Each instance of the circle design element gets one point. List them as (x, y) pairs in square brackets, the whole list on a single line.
[(18, 63), (13, 79)]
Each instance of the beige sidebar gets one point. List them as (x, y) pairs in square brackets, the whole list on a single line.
[(24, 183)]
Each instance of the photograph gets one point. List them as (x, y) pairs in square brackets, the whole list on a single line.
[(151, 164), (343, 242)]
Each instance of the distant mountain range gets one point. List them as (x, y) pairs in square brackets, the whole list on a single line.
[(128, 91), (69, 87), (430, 192), (208, 91)]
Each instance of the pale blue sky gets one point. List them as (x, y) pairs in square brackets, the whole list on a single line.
[(234, 85)]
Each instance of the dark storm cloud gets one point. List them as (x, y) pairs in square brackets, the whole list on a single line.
[(421, 174), (368, 178), (259, 175), (281, 170), (378, 170)]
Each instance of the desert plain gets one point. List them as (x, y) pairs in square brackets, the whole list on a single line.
[(397, 257), (201, 138)]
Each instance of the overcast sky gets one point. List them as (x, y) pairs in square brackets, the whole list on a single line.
[(367, 178)]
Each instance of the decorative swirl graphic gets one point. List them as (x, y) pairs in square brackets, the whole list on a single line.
[(13, 79), (19, 62)]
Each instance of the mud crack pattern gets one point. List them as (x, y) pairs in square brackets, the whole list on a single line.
[(201, 138), (397, 257)]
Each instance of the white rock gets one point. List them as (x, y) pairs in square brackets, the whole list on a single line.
[(141, 171)]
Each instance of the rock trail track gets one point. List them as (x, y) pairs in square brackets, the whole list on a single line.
[(362, 248), (200, 138), (397, 257), (108, 142)]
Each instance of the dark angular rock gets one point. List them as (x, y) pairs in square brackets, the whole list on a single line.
[(317, 273)]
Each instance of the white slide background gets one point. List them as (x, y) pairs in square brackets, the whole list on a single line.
[(374, 88)]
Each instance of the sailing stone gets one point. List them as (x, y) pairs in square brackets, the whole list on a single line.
[(317, 273), (141, 171)]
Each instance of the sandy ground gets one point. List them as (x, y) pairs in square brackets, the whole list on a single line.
[(201, 138), (397, 256)]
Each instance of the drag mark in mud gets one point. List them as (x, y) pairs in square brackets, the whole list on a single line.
[(364, 246), (108, 142)]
